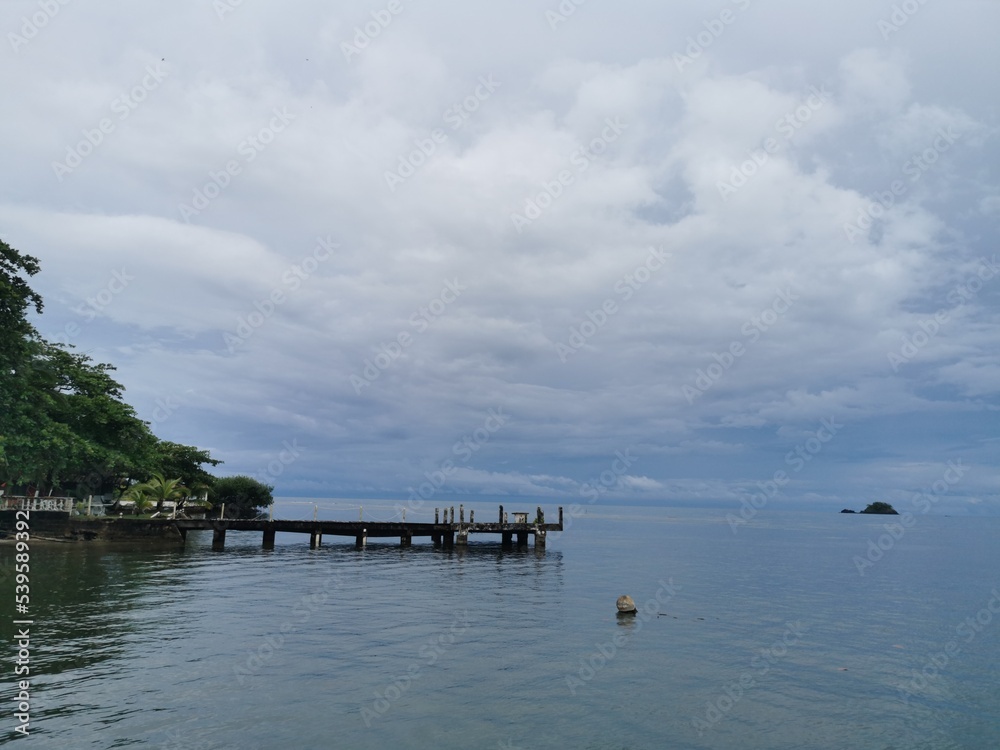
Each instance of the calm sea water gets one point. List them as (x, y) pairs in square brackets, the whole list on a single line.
[(767, 638)]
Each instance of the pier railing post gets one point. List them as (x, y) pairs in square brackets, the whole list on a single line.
[(560, 517), (501, 514), (461, 513)]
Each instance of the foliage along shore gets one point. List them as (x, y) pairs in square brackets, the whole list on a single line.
[(65, 428)]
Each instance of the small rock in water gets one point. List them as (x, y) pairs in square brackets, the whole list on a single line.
[(625, 605)]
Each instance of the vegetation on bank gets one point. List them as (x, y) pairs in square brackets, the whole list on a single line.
[(66, 429)]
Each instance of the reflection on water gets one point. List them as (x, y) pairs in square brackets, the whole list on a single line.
[(478, 647)]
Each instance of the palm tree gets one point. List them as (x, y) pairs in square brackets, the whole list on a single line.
[(137, 496), (161, 490)]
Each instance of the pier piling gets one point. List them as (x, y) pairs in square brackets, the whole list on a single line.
[(269, 537)]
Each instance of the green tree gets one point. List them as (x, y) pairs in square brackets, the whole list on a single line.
[(17, 337), (160, 490), (64, 422), (138, 497), (69, 426), (182, 461), (244, 497)]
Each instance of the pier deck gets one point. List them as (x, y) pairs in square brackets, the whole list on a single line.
[(445, 532)]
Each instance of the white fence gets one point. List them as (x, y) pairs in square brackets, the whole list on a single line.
[(17, 502)]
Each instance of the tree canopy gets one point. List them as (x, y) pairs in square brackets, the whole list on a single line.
[(243, 496), (64, 423)]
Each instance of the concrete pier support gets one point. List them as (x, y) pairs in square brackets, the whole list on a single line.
[(219, 538), (315, 539), (269, 538), (436, 540), (449, 540), (507, 540), (522, 539), (462, 538), (361, 540), (406, 540), (540, 539)]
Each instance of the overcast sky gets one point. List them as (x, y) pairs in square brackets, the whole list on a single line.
[(588, 252)]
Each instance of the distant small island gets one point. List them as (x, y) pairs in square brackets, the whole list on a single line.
[(877, 508)]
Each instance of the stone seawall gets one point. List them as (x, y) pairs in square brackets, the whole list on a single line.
[(60, 527)]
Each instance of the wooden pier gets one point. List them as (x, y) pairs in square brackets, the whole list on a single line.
[(446, 531)]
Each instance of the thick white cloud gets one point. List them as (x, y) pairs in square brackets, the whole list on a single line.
[(666, 230)]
